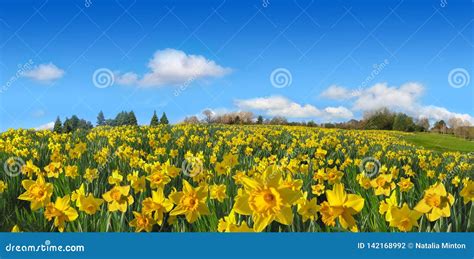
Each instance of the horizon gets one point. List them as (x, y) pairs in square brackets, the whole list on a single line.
[(326, 62)]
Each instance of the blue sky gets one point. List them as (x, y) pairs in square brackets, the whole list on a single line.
[(344, 58)]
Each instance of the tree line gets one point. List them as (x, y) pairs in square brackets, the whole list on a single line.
[(382, 119), (121, 119)]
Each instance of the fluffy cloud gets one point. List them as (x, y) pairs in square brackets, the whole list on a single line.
[(47, 126), (440, 113), (340, 112), (44, 73), (405, 98), (281, 106), (173, 67), (336, 92)]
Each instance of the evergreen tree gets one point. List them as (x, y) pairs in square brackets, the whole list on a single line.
[(100, 119), (154, 120), (74, 123), (164, 119), (58, 127), (132, 120), (260, 119)]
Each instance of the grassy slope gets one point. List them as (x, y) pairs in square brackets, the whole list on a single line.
[(440, 142)]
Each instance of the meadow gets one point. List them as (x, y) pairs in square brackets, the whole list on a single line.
[(232, 178)]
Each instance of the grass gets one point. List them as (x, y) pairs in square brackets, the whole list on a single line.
[(439, 142)]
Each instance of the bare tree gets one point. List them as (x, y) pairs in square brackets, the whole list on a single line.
[(208, 115), (191, 120)]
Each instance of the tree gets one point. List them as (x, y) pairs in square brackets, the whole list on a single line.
[(164, 119), (423, 124), (154, 120), (311, 123), (74, 123), (380, 120), (455, 122), (191, 120), (260, 119), (439, 125), (58, 127), (278, 120), (403, 122), (100, 119), (132, 120), (208, 115)]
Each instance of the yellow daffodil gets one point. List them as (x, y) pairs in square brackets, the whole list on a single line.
[(142, 222), (218, 192), (118, 198), (3, 186), (71, 171), (467, 192), (266, 200), (15, 229), (308, 209), (158, 180), (60, 211), (91, 174), (318, 189), (405, 184), (383, 184), (77, 194), (116, 178), (341, 206), (455, 181), (157, 205), (30, 169), (436, 202), (190, 202), (385, 207), (229, 224), (334, 175), (53, 169), (37, 192), (89, 204), (364, 181), (404, 218)]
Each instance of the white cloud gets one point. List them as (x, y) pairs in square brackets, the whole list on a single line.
[(173, 67), (47, 126), (44, 73), (126, 79), (381, 95), (439, 113), (405, 98), (282, 106), (337, 93), (339, 112), (279, 106)]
